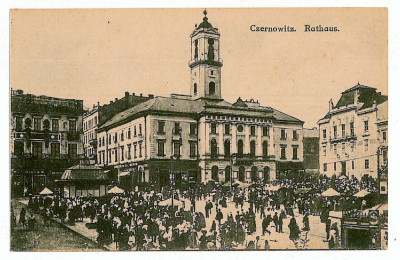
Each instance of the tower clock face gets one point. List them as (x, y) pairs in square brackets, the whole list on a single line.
[(240, 128)]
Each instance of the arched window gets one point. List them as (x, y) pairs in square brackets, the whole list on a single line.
[(265, 149), (195, 89), (253, 174), (214, 148), (214, 173), (227, 173), (266, 174), (242, 174), (211, 88), (240, 148), (252, 148), (227, 148), (196, 49)]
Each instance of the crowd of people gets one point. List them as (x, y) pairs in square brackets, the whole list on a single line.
[(137, 221)]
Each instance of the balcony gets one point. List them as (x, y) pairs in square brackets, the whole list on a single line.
[(197, 61), (342, 139), (53, 136)]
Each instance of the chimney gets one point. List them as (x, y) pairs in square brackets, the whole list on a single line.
[(133, 94), (141, 94), (116, 99), (111, 102), (330, 105), (126, 94)]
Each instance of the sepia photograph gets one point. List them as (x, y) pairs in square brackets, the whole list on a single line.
[(198, 129)]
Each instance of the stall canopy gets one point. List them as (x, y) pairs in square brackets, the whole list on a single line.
[(46, 191), (116, 190), (330, 193), (84, 172), (361, 194)]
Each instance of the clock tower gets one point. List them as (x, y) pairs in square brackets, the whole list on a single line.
[(205, 62)]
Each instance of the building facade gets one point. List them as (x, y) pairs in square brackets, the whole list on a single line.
[(90, 124), (46, 135), (100, 114), (201, 137), (350, 133)]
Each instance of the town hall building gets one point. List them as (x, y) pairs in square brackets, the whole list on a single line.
[(200, 137)]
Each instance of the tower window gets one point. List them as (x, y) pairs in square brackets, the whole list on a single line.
[(195, 89), (210, 49), (211, 88), (196, 49)]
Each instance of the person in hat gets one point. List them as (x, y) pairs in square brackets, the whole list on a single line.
[(276, 220), (203, 240)]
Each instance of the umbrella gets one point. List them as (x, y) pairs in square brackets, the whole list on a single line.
[(46, 191), (116, 190), (330, 193), (168, 202), (361, 194)]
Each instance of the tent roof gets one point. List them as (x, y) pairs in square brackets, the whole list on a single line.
[(116, 190), (330, 193), (46, 191)]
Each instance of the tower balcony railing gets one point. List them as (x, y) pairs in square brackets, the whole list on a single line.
[(199, 60)]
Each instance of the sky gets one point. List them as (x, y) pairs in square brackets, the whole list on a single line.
[(97, 54)]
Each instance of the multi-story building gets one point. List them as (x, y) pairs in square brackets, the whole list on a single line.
[(350, 133), (101, 114), (311, 150), (90, 124), (382, 126), (201, 136), (46, 137)]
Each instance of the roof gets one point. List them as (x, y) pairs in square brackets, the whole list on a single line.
[(367, 96), (84, 172), (195, 107)]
